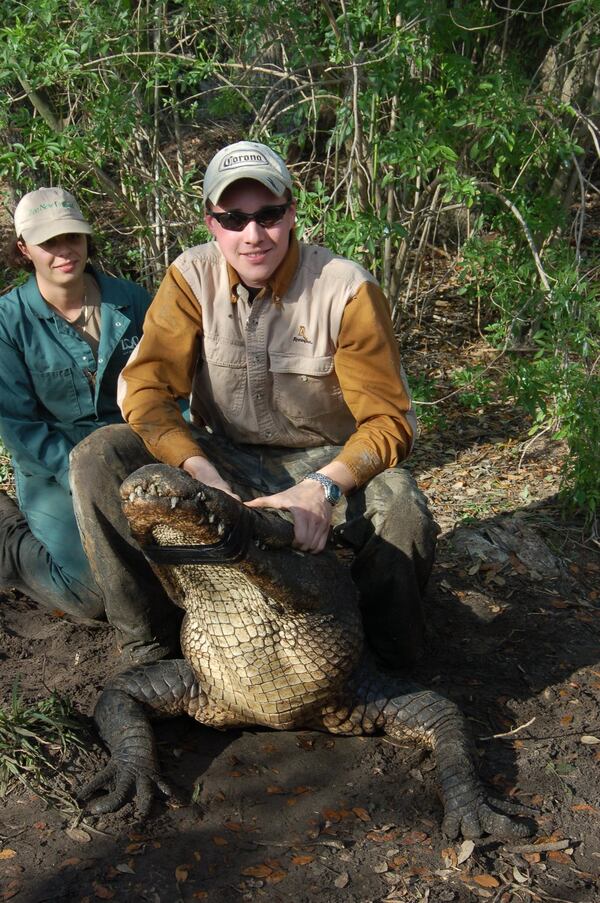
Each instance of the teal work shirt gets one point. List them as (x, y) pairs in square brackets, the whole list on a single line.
[(53, 393)]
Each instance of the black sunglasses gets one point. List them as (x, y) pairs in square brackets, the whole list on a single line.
[(236, 221)]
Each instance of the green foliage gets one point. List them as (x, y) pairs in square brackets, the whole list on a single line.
[(33, 739), (552, 342), (429, 413), (475, 388)]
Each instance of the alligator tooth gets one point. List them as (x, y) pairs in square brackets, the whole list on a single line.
[(174, 501), (152, 490), (131, 496), (259, 545), (220, 529), (139, 490), (212, 518), (201, 496)]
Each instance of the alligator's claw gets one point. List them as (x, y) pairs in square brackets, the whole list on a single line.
[(129, 784)]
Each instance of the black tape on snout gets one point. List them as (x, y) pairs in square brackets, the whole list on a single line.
[(230, 550)]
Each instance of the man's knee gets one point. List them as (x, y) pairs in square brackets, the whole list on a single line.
[(101, 446), (402, 506), (107, 456)]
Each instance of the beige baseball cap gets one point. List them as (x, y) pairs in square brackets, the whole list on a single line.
[(47, 212), (245, 160)]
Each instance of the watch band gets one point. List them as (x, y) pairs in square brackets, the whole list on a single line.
[(333, 493)]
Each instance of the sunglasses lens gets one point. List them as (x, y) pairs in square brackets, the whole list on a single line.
[(233, 222), (270, 216)]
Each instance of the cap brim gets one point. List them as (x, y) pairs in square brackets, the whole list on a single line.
[(44, 231), (277, 186)]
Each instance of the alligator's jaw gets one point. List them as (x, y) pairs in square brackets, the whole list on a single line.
[(162, 506)]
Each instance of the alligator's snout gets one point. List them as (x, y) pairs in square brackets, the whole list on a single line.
[(159, 481)]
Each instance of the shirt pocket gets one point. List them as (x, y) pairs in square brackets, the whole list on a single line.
[(304, 388), (57, 391), (223, 375)]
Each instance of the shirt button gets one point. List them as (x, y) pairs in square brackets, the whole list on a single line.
[(259, 395), (118, 323), (100, 360), (268, 434)]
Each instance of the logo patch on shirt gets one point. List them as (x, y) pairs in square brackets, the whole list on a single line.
[(302, 337), (129, 344)]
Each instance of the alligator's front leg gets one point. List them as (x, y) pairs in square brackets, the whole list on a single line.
[(403, 709), (167, 688)]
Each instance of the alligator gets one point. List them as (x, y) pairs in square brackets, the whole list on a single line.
[(271, 636)]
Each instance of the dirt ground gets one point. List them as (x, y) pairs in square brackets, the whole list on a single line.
[(514, 624)]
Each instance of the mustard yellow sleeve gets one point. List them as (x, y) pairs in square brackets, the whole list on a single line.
[(367, 363), (160, 371)]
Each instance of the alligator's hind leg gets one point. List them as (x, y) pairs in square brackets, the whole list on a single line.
[(403, 710), (164, 689)]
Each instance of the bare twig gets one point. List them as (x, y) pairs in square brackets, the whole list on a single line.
[(530, 442), (515, 730), (487, 186), (540, 847)]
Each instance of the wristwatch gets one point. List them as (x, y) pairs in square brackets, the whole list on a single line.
[(333, 493)]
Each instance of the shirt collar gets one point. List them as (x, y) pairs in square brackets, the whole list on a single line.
[(36, 302), (281, 278), (45, 312)]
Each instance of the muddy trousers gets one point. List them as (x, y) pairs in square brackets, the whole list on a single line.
[(40, 550), (137, 606), (386, 523), (42, 556)]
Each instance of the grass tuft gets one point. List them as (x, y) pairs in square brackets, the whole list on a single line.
[(34, 738)]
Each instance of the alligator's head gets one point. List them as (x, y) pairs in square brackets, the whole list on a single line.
[(182, 524), (166, 507)]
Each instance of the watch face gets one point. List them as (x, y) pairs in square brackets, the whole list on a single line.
[(334, 493)]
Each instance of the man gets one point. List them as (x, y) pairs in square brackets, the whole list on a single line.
[(297, 396)]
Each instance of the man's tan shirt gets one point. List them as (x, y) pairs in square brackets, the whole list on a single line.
[(312, 360)]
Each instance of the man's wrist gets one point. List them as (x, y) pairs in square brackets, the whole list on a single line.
[(333, 492)]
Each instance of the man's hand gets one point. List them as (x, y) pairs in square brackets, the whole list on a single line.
[(201, 469), (311, 512)]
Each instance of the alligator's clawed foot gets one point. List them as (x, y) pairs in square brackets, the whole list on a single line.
[(474, 821), (129, 785)]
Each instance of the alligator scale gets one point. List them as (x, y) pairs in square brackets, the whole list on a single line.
[(270, 636)]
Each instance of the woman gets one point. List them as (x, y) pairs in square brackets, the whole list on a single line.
[(65, 335)]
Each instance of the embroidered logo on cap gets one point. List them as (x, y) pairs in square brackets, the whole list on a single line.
[(66, 205), (243, 158)]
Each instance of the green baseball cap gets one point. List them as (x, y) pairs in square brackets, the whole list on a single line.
[(245, 160), (47, 212)]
